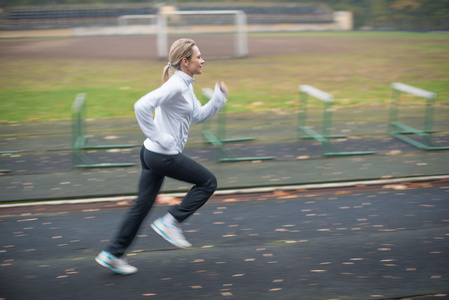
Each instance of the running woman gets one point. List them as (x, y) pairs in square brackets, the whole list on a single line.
[(175, 106)]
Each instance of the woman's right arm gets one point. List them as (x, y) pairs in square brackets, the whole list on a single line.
[(144, 108)]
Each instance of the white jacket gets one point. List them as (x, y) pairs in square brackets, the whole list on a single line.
[(175, 106)]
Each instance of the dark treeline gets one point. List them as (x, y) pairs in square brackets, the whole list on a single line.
[(375, 14)]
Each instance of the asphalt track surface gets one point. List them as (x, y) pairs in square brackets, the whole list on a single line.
[(377, 242), (372, 242)]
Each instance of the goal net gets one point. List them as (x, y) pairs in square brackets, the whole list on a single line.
[(219, 33)]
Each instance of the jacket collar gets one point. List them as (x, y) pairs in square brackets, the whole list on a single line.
[(186, 78)]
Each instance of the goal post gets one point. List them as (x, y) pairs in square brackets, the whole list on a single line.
[(241, 43), (124, 20)]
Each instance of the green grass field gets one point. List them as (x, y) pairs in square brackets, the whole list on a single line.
[(356, 67)]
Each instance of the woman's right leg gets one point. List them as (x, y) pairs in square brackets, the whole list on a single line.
[(149, 185)]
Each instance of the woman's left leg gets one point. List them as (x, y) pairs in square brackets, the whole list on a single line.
[(150, 183), (205, 184)]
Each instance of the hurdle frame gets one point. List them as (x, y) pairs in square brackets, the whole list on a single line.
[(217, 138), (328, 149), (398, 129), (79, 139)]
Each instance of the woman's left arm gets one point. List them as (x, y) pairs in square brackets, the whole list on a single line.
[(213, 106)]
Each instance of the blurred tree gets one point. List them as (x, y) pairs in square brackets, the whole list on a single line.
[(405, 5), (404, 12), (436, 13), (380, 13)]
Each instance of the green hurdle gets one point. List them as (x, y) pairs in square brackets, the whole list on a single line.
[(218, 139), (399, 130), (79, 139), (328, 149)]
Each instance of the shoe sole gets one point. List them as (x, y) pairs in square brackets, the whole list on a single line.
[(167, 238)]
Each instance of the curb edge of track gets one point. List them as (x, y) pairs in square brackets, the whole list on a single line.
[(239, 191)]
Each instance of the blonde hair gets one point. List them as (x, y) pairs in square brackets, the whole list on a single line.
[(180, 49)]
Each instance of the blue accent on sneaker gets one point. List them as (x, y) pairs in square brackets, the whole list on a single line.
[(119, 266), (172, 234), (162, 232)]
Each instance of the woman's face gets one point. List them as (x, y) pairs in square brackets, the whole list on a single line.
[(194, 65)]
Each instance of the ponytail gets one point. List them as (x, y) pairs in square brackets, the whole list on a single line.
[(165, 74), (180, 49)]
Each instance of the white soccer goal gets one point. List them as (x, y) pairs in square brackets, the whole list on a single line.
[(125, 20), (210, 20)]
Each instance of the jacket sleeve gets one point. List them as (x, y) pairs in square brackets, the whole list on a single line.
[(211, 108), (144, 108)]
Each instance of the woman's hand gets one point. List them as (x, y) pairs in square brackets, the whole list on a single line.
[(223, 88), (166, 141)]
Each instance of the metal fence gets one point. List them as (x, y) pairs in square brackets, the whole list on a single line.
[(60, 16)]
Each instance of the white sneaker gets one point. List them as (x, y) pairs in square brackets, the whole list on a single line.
[(117, 265), (172, 233)]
